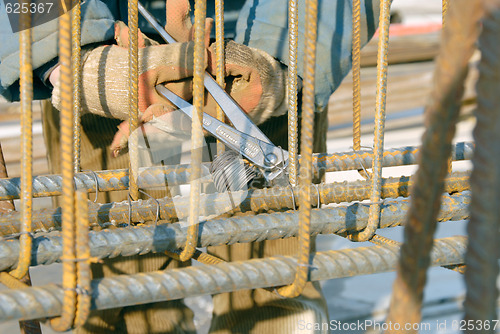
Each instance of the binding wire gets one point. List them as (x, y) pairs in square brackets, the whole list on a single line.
[(231, 173)]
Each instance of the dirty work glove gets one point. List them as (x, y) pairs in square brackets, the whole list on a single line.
[(256, 80)]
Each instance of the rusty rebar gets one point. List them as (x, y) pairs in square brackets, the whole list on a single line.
[(459, 37), (26, 91), (83, 256), (124, 290), (142, 239), (77, 80), (306, 154), (133, 93), (152, 177), (220, 67), (293, 30), (64, 322), (356, 75), (200, 13), (257, 201), (378, 141), (483, 228)]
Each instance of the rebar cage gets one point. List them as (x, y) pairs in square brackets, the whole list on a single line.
[(142, 226)]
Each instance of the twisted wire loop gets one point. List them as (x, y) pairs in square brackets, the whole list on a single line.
[(133, 91), (83, 266), (256, 200), (65, 322), (122, 290), (306, 161), (200, 13), (220, 68), (356, 74), (293, 28), (483, 227), (77, 80), (381, 98), (26, 91), (459, 37)]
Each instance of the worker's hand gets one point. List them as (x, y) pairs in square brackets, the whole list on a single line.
[(256, 80)]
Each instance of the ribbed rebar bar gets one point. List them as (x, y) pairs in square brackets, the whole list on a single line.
[(110, 180), (306, 154), (483, 227), (142, 239), (378, 142), (68, 191), (133, 91), (444, 10), (83, 256), (356, 75), (293, 31), (26, 91), (77, 80), (124, 290), (200, 13), (459, 37), (7, 205), (220, 71), (257, 201)]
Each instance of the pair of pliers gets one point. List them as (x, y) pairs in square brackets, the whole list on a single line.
[(245, 137)]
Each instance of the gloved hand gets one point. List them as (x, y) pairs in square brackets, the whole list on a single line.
[(256, 80)]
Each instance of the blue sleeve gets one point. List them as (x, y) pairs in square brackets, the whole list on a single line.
[(263, 24), (97, 26)]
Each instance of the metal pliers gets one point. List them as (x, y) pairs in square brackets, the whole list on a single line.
[(245, 137)]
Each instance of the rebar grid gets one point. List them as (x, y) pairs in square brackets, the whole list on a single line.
[(459, 37), (124, 290), (152, 177), (64, 322), (142, 239), (293, 30), (257, 201), (200, 13), (483, 227)]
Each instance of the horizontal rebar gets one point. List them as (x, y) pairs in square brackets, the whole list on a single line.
[(257, 201), (152, 177), (125, 290), (142, 239)]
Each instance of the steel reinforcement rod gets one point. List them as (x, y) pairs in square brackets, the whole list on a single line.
[(141, 239), (124, 290), (257, 201), (111, 180)]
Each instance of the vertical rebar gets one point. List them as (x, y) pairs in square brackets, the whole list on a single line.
[(77, 80), (356, 75), (133, 91), (457, 46), (68, 188), (306, 147), (378, 145), (83, 256), (444, 10), (219, 48), (483, 227), (26, 91), (293, 29), (200, 10)]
